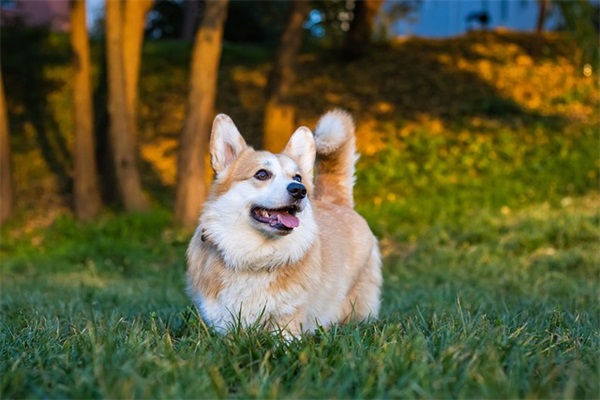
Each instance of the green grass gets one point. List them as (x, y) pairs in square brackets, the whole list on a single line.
[(409, 186), (505, 306)]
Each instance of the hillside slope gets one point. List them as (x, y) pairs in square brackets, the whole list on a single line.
[(485, 120)]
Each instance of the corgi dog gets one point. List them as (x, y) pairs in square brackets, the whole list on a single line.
[(278, 247)]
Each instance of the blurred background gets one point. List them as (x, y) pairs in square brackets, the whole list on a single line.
[(460, 105)]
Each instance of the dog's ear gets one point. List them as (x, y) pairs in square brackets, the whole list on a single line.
[(226, 143), (301, 148)]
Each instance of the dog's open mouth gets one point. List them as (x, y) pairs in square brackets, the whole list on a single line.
[(282, 218)]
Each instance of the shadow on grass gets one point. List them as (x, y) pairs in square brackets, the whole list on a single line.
[(33, 66)]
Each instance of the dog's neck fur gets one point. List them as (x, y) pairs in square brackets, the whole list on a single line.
[(244, 248)]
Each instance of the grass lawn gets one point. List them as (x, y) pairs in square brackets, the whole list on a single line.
[(484, 198), (505, 306)]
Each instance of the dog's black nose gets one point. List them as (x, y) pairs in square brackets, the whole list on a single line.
[(297, 190)]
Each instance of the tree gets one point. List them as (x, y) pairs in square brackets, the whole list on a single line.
[(134, 21), (190, 17), (541, 18), (279, 121), (578, 18), (6, 188), (169, 17), (87, 194), (123, 51), (258, 22), (361, 28), (193, 146)]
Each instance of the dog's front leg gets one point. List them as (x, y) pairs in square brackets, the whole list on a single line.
[(290, 325)]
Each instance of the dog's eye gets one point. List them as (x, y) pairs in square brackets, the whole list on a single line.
[(298, 178), (262, 175)]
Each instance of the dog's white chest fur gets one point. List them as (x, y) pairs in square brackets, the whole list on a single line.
[(248, 297)]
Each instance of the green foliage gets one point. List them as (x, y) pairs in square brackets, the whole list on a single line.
[(581, 22), (424, 178), (259, 22), (165, 20)]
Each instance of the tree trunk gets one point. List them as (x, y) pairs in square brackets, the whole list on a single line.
[(190, 16), (6, 187), (134, 22), (539, 26), (279, 122), (193, 146), (121, 130), (361, 28), (87, 194)]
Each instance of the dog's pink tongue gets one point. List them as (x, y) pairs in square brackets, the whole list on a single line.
[(288, 220)]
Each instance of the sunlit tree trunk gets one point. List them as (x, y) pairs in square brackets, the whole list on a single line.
[(6, 188), (134, 21), (279, 122), (121, 129), (87, 194), (358, 37), (193, 147)]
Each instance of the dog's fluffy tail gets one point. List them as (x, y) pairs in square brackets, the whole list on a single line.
[(336, 156)]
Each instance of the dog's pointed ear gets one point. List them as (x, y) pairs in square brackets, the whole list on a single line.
[(301, 148), (226, 143)]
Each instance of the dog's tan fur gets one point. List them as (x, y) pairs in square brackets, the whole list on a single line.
[(326, 270)]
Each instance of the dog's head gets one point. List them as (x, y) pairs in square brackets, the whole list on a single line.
[(259, 198)]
